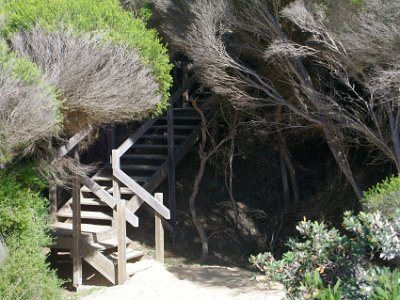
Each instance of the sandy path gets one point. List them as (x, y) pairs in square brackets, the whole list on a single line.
[(194, 282)]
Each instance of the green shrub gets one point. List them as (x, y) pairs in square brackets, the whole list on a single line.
[(384, 196), (24, 224), (104, 16), (347, 258)]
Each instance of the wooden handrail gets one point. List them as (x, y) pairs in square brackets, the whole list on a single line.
[(108, 199), (146, 125), (73, 141), (141, 192)]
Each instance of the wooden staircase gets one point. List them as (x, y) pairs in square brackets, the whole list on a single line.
[(94, 219)]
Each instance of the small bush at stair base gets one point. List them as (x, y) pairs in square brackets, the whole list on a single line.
[(24, 273), (350, 258)]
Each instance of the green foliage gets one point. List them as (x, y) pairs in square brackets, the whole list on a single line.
[(313, 288), (384, 196), (24, 224), (387, 287), (104, 16), (325, 264)]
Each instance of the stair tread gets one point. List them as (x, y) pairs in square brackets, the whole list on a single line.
[(88, 228), (85, 215), (163, 136), (108, 243), (90, 201), (144, 156), (140, 167), (175, 126), (109, 178), (149, 146), (124, 190), (130, 254)]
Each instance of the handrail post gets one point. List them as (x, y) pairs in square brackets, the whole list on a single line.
[(76, 229), (119, 223), (171, 170), (159, 232)]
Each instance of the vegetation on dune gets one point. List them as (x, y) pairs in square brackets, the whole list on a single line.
[(24, 220), (26, 99), (326, 263), (105, 17)]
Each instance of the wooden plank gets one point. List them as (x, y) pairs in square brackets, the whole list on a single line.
[(182, 127), (135, 136), (144, 156), (130, 254), (99, 261), (108, 199), (180, 152), (140, 167), (53, 201), (142, 193), (120, 224), (163, 137), (134, 203), (76, 231), (73, 141), (159, 232), (96, 189), (149, 146), (95, 215)]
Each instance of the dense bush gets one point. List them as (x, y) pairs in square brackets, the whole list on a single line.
[(105, 16), (99, 83), (24, 223), (346, 262), (384, 196), (29, 109)]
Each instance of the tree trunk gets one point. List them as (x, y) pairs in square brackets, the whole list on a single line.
[(193, 211), (333, 138)]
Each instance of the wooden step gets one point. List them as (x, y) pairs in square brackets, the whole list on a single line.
[(124, 190), (191, 118), (95, 215), (130, 254), (163, 136), (108, 243), (90, 202), (183, 127), (149, 146), (60, 228), (144, 156), (140, 167), (108, 178)]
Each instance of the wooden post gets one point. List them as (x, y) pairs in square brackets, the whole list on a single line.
[(171, 168), (119, 223), (53, 201), (76, 230), (159, 234)]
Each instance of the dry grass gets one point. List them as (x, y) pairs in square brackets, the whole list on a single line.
[(99, 83)]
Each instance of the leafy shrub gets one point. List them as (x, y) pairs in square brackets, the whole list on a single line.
[(29, 109), (384, 196), (24, 224), (335, 256), (105, 16)]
